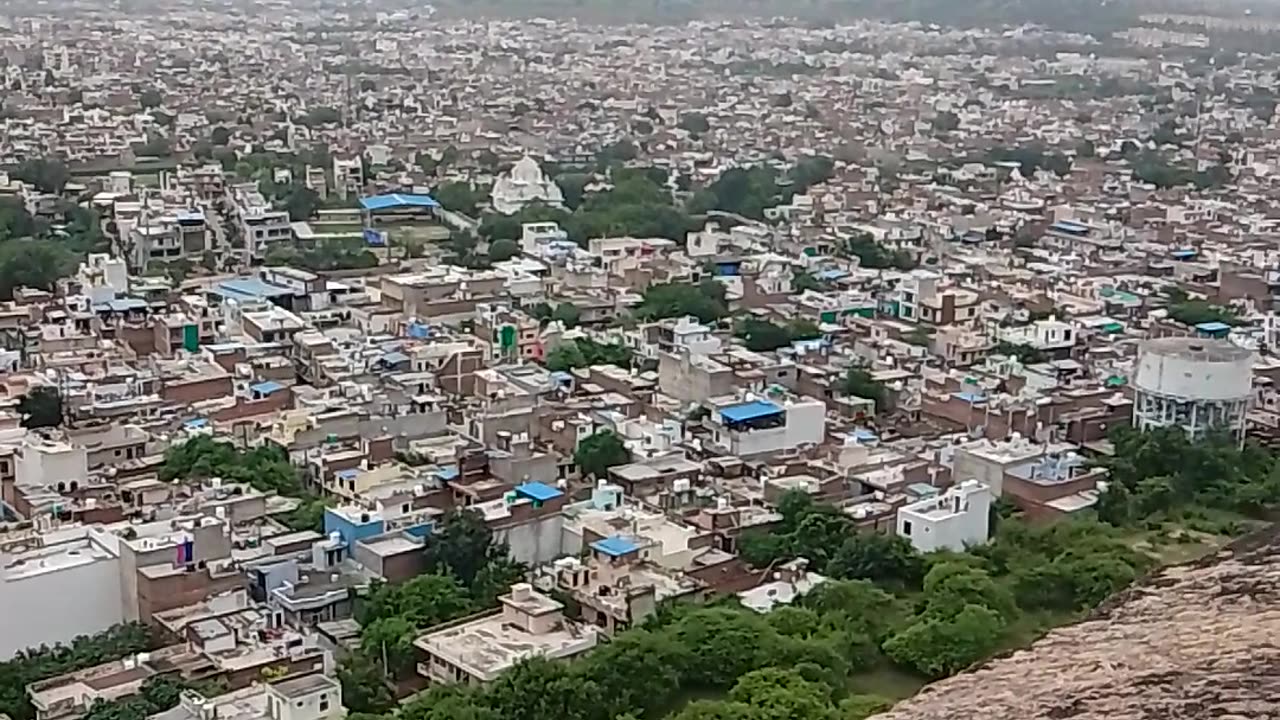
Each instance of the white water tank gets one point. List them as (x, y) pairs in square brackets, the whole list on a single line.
[(1197, 384)]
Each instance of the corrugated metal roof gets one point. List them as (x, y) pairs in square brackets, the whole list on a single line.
[(398, 200)]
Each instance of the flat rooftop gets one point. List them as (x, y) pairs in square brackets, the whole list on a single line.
[(1192, 641), (487, 646)]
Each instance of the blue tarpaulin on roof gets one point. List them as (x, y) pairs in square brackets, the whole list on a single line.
[(749, 411), (538, 491), (1213, 328), (615, 546), (266, 388)]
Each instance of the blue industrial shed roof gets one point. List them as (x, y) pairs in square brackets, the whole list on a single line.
[(398, 200), (252, 287), (971, 397), (615, 546), (538, 491), (749, 411)]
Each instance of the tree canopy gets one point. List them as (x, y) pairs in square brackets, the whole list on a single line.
[(599, 452), (41, 407), (705, 301), (35, 664)]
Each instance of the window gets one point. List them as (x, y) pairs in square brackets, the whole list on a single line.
[(324, 703), (404, 508), (906, 527)]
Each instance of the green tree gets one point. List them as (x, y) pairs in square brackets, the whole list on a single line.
[(872, 255), (150, 98), (41, 407), (761, 335), (463, 545), (705, 301), (778, 694), (937, 647), (364, 687), (1025, 354), (565, 356), (390, 638), (33, 264), (859, 383), (599, 452), (459, 196), (860, 707), (729, 644), (694, 122), (302, 203), (15, 221), (572, 186), (220, 136), (567, 313), (48, 175), (946, 122), (887, 560), (500, 250)]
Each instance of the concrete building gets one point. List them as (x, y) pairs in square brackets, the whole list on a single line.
[(757, 427), (951, 521), (529, 625), (1196, 384), (55, 592), (260, 225)]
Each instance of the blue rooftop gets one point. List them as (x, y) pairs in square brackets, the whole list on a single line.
[(395, 358), (398, 200), (1213, 327), (831, 275), (350, 474), (615, 546), (749, 411), (267, 387), (447, 473), (248, 287), (971, 397), (196, 423), (120, 304), (538, 491)]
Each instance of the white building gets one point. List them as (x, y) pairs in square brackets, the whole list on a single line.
[(103, 277), (524, 185), (756, 427), (260, 224), (307, 697), (953, 520), (1048, 335), (348, 176), (1196, 384), (535, 236), (530, 625), (53, 593)]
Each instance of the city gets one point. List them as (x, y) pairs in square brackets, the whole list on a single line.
[(649, 361)]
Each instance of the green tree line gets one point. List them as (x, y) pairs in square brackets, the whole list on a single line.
[(36, 664)]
